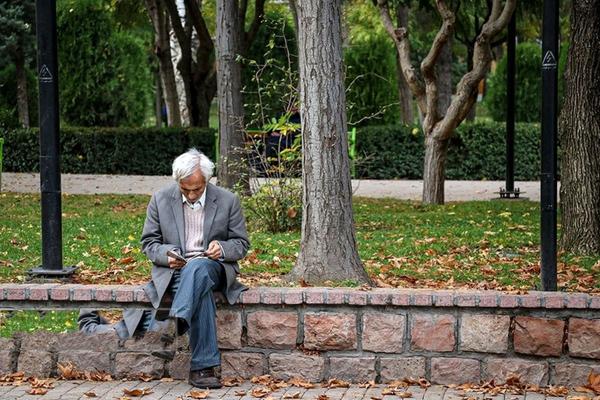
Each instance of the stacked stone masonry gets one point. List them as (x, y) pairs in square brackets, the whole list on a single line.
[(350, 334)]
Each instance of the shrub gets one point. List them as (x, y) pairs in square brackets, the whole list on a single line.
[(477, 151), (276, 206), (144, 151)]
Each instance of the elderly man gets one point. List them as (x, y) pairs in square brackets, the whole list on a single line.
[(203, 224)]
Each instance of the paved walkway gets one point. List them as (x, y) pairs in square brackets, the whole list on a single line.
[(137, 184), (71, 390)]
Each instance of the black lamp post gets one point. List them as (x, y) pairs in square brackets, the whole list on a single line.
[(49, 143), (549, 133)]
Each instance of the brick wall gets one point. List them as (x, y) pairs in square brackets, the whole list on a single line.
[(380, 334)]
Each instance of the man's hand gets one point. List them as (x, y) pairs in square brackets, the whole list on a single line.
[(175, 263), (214, 250)]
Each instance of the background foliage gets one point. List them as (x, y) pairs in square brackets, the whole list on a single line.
[(528, 84), (139, 151), (105, 77)]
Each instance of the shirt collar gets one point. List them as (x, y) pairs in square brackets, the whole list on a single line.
[(201, 201)]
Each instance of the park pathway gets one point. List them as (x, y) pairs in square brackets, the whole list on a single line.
[(138, 184), (175, 390)]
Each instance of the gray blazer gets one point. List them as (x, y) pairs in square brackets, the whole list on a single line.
[(164, 230)]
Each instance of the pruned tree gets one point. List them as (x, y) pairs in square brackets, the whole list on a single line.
[(162, 49), (580, 132), (328, 245), (425, 87)]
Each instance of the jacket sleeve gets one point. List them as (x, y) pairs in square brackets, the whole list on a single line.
[(153, 245), (237, 244)]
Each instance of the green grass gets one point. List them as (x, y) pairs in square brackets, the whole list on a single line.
[(29, 321), (483, 244)]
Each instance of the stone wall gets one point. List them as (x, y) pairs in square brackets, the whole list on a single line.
[(356, 335)]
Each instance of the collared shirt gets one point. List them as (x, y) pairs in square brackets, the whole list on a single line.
[(199, 202)]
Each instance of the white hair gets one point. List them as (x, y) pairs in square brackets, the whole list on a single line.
[(191, 161)]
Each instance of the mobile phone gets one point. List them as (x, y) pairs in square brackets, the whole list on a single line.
[(175, 255)]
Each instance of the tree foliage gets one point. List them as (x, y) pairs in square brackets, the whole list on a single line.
[(528, 85), (105, 77)]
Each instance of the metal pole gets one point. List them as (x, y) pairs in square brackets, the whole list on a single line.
[(549, 133), (49, 141), (510, 105)]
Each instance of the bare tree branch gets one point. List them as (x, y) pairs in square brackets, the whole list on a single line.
[(428, 63), (193, 10), (259, 12), (400, 37), (482, 57)]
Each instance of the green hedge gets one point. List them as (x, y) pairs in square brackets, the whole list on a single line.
[(477, 151), (143, 151)]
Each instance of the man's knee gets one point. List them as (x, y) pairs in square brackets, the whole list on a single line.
[(200, 268)]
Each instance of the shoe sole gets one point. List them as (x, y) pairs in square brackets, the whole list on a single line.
[(206, 386)]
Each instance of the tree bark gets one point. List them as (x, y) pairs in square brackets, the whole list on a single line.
[(404, 94), (328, 245), (231, 110), (434, 170), (162, 49), (580, 132), (22, 97)]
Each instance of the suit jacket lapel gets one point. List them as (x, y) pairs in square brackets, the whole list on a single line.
[(177, 205), (210, 209)]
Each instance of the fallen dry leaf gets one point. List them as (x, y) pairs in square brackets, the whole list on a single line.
[(90, 394), (240, 393), (41, 383), (260, 392), (167, 380), (198, 394), (137, 392), (323, 397), (594, 382), (37, 391), (367, 385), (262, 379), (295, 395), (299, 382), (336, 383), (232, 381)]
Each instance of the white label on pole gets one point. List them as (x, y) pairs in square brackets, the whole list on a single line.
[(45, 74), (549, 61)]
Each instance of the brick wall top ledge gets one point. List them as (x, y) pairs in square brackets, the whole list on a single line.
[(72, 293)]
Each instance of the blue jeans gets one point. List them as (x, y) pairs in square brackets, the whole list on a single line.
[(195, 310)]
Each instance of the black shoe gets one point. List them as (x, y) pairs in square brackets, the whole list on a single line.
[(205, 379)]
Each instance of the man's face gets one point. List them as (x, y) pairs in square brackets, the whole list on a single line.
[(193, 186)]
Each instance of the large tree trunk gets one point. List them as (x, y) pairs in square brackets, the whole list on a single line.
[(328, 245), (434, 170), (231, 110), (580, 132), (162, 49), (22, 97), (404, 94)]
